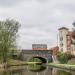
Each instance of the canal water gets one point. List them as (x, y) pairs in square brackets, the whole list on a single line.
[(26, 70)]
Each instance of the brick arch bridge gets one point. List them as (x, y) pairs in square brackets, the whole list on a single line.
[(43, 54), (44, 60)]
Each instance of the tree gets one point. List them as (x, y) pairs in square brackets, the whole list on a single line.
[(8, 34), (63, 57)]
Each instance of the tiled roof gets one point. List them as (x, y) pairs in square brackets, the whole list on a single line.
[(55, 48)]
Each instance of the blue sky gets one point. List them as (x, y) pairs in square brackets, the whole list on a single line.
[(40, 19)]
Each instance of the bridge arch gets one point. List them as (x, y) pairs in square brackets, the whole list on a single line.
[(42, 59)]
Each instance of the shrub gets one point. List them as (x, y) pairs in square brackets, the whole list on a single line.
[(72, 61), (35, 60), (63, 57)]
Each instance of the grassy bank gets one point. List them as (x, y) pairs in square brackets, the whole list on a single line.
[(12, 62), (62, 66)]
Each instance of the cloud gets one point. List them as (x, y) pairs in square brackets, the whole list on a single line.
[(7, 3), (40, 19), (42, 1)]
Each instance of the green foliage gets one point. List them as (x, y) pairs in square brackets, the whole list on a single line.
[(35, 60), (63, 57), (16, 62), (72, 61), (8, 33)]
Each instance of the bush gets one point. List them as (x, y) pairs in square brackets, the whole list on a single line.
[(63, 57), (72, 61), (35, 60)]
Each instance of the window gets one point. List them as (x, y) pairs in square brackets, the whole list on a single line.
[(61, 38), (61, 44)]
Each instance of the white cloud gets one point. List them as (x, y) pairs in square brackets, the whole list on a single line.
[(40, 19)]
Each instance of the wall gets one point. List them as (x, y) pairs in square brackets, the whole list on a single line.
[(27, 54)]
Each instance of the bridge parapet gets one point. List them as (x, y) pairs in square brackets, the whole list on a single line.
[(27, 54)]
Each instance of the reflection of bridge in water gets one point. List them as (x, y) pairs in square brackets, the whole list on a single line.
[(44, 55), (23, 70), (47, 71)]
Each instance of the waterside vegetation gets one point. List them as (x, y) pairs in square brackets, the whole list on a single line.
[(62, 66)]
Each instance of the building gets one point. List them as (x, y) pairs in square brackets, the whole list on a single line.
[(55, 50), (39, 47), (65, 40)]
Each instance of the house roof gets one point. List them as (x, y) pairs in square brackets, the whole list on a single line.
[(55, 48), (63, 28)]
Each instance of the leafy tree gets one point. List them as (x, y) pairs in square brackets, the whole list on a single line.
[(35, 60), (72, 61), (63, 57), (8, 34)]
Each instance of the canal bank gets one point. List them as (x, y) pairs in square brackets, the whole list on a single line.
[(25, 70), (62, 66), (22, 63), (12, 62)]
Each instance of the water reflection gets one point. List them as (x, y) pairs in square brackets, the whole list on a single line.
[(27, 70), (62, 72), (13, 72), (36, 68)]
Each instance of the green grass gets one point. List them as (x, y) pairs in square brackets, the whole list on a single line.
[(63, 66), (12, 62)]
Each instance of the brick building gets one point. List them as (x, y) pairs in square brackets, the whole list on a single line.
[(39, 47), (54, 50)]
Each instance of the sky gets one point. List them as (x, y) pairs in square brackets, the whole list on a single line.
[(39, 19)]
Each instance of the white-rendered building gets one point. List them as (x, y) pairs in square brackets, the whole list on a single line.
[(65, 40), (62, 39)]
